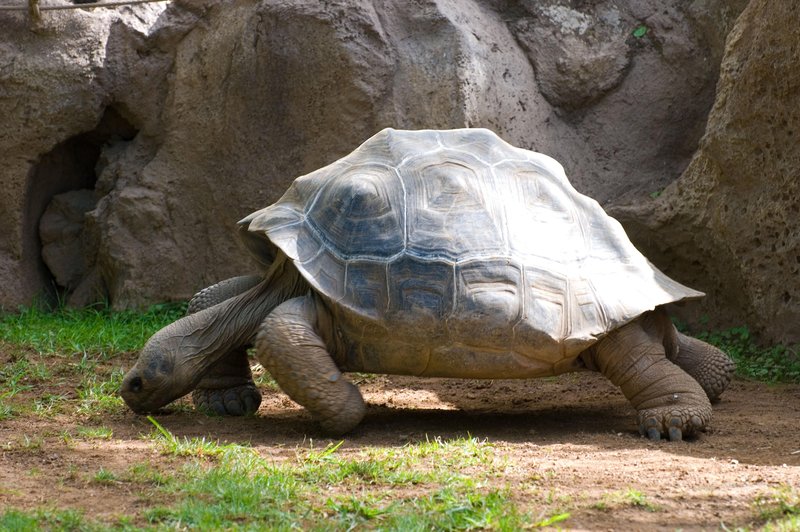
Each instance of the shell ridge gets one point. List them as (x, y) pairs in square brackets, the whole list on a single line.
[(601, 307), (566, 314), (502, 210), (523, 306), (388, 283), (469, 154), (453, 298), (403, 206)]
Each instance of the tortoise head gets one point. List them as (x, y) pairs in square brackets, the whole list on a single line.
[(163, 371)]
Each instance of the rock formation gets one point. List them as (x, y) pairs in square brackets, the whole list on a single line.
[(52, 103), (181, 119), (729, 224)]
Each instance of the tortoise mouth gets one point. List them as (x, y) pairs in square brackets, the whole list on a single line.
[(143, 397), (143, 407)]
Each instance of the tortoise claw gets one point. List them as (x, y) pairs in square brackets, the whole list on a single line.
[(651, 428), (672, 423), (236, 401)]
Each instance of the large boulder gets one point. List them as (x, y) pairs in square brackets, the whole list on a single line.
[(52, 104), (193, 117), (729, 224)]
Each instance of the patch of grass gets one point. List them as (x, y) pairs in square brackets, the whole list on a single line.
[(462, 507), (48, 404), (336, 490), (464, 503), (787, 524), (44, 519), (86, 433), (767, 364), (86, 366), (104, 476), (95, 433), (239, 488), (464, 451), (781, 506), (198, 447), (430, 461), (552, 520), (24, 443), (17, 520), (69, 345), (20, 375), (98, 395), (638, 499), (630, 497), (100, 331), (354, 511), (374, 466), (6, 411), (448, 508), (146, 474), (125, 522)]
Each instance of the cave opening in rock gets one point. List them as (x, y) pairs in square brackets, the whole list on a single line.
[(61, 190)]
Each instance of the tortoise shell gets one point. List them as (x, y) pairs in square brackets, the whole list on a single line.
[(453, 253)]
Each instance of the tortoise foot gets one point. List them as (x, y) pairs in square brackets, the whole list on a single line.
[(672, 423), (237, 401), (345, 419)]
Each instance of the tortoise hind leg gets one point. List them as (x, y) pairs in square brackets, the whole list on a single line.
[(709, 366), (669, 401), (289, 345), (227, 388)]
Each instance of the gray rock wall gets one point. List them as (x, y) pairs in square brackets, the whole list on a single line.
[(183, 121), (729, 224), (51, 94)]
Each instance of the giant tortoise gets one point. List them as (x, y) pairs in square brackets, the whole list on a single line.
[(441, 254)]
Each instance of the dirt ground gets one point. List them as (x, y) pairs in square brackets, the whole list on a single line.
[(573, 436)]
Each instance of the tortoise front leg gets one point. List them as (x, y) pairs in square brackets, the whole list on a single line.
[(290, 346), (670, 402), (227, 388)]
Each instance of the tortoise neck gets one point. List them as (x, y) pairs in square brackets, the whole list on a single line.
[(211, 333)]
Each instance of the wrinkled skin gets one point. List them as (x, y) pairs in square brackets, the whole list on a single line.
[(205, 351), (227, 387), (669, 378)]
